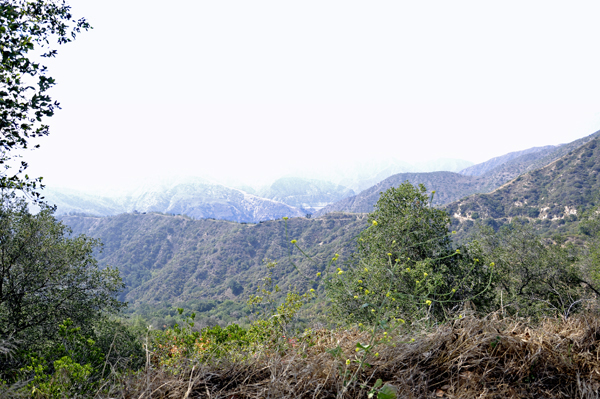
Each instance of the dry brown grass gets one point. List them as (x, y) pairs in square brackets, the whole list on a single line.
[(471, 358)]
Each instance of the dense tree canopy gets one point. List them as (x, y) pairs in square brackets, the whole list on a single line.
[(28, 30), (47, 277)]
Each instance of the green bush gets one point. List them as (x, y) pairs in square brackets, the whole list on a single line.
[(79, 362), (534, 278), (405, 265)]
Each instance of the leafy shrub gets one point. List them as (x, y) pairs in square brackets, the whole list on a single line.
[(534, 278), (533, 212), (590, 227), (273, 318), (68, 379), (71, 366), (405, 266), (171, 346)]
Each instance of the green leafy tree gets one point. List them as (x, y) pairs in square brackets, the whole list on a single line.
[(28, 28), (405, 265), (406, 225), (534, 278), (47, 277)]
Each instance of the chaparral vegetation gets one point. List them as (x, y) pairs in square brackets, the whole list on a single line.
[(408, 315), (408, 312)]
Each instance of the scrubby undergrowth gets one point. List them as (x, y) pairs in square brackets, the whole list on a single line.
[(471, 357)]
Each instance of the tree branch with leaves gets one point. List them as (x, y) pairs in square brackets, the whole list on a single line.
[(29, 30)]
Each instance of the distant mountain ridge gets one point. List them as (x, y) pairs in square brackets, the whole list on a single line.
[(295, 196), (196, 198), (550, 196), (451, 187), (363, 174), (202, 198), (487, 166), (307, 195), (199, 198)]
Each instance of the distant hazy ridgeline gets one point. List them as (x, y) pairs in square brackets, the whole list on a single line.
[(553, 196), (290, 196), (449, 187)]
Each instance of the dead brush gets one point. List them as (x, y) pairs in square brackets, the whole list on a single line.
[(469, 358), (499, 358)]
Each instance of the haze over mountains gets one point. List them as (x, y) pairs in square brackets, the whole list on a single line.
[(203, 198), (484, 167), (194, 197), (361, 174), (296, 196), (449, 186)]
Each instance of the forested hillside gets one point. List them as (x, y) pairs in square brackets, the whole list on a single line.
[(177, 261)]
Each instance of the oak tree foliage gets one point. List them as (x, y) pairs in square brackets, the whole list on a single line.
[(47, 277), (29, 31)]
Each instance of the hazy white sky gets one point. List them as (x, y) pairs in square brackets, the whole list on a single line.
[(258, 88)]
